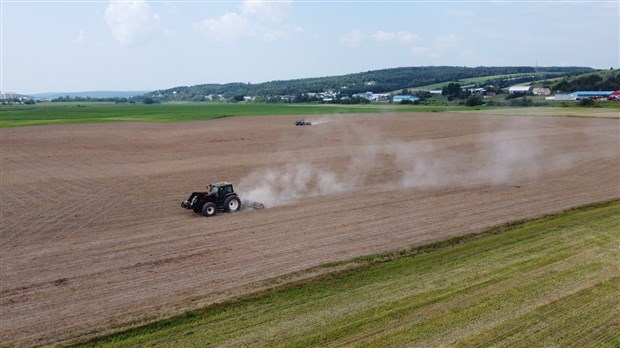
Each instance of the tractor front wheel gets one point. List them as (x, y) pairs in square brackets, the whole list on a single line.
[(232, 204), (209, 209)]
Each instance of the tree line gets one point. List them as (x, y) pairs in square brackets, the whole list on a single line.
[(588, 82), (345, 86)]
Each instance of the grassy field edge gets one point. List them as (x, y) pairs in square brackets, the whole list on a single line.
[(65, 114), (330, 272)]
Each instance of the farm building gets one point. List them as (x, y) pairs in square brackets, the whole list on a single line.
[(399, 98), (562, 97), (592, 94), (541, 91), (476, 90), (367, 95), (615, 96), (520, 89), (583, 95)]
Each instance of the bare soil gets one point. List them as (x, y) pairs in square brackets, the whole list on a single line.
[(93, 239)]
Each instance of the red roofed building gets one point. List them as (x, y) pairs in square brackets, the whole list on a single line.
[(615, 96)]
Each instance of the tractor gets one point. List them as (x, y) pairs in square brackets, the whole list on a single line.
[(218, 197)]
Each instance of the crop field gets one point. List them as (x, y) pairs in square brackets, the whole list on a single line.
[(552, 282), (94, 240), (472, 80), (105, 112), (612, 110)]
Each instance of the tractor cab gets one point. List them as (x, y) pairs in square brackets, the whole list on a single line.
[(218, 196)]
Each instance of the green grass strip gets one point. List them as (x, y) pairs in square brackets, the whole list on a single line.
[(93, 112), (548, 282), (99, 112)]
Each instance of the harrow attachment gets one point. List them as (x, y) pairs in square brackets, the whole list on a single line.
[(245, 203)]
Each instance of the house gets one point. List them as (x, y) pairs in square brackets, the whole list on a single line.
[(490, 95), (520, 89), (367, 95), (435, 91), (541, 91), (476, 90)]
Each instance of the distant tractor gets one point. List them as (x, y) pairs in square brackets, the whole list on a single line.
[(303, 123), (219, 197)]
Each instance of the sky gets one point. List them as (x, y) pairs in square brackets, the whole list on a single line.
[(90, 45)]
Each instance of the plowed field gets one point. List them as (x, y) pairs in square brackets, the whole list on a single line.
[(93, 238)]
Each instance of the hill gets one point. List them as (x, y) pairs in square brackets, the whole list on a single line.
[(607, 80), (377, 81)]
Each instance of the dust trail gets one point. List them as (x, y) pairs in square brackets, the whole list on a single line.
[(506, 155), (316, 120), (512, 152), (292, 183), (516, 152), (301, 179)]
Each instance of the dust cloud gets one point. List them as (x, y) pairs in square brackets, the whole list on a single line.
[(514, 151)]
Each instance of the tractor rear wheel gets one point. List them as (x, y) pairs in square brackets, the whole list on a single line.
[(232, 204), (209, 209)]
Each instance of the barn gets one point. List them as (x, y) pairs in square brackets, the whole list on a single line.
[(520, 89)]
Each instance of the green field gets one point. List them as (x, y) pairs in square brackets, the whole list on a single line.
[(472, 80), (72, 113), (550, 282), (68, 113), (612, 110)]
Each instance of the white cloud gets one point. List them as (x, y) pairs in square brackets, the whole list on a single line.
[(383, 36), (402, 37), (419, 50), (437, 47), (459, 13), (267, 11), (445, 40), (132, 22), (81, 37), (260, 20), (170, 8), (442, 44), (405, 37), (352, 38)]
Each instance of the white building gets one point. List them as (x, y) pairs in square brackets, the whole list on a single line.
[(520, 89), (541, 91)]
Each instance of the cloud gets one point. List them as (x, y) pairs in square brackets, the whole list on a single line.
[(132, 22), (407, 37), (459, 13), (170, 8), (402, 37), (445, 40), (81, 37), (383, 36), (442, 44), (352, 38), (259, 20), (419, 50), (436, 47)]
